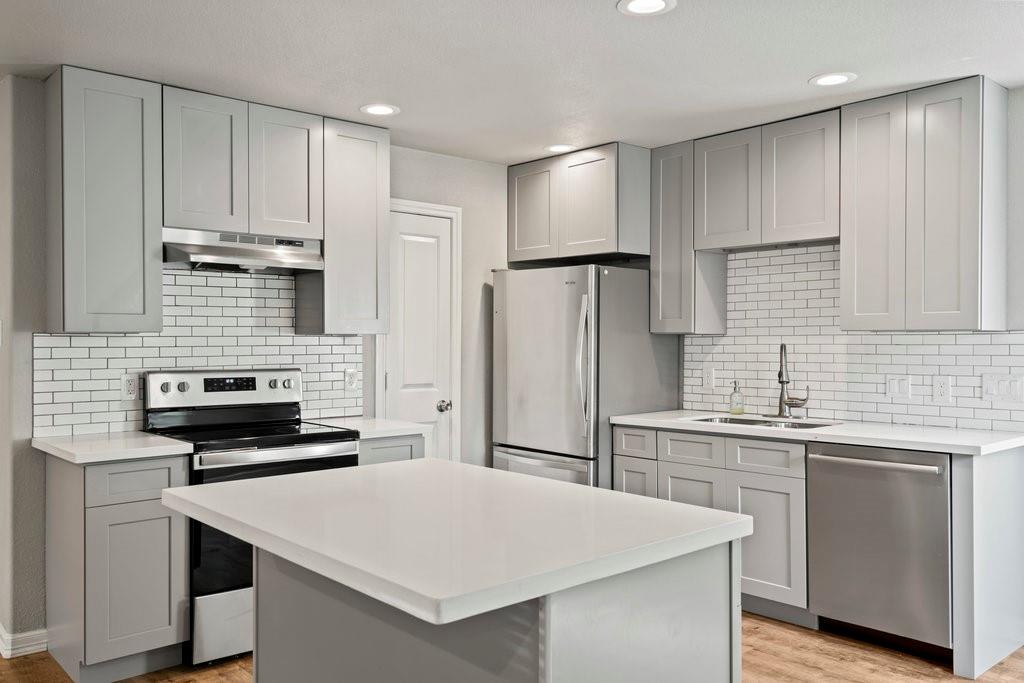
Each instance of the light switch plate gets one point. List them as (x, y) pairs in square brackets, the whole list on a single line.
[(1003, 390), (942, 390), (898, 386)]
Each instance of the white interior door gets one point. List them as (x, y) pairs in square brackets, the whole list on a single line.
[(418, 384)]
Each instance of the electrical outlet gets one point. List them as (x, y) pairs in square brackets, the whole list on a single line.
[(898, 386), (351, 378), (709, 378), (131, 387), (942, 391)]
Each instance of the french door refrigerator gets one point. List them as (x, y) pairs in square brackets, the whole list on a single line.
[(572, 347)]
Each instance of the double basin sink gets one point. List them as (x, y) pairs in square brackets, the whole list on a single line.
[(756, 422)]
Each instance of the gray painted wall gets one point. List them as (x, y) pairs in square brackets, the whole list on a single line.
[(22, 310), (479, 189)]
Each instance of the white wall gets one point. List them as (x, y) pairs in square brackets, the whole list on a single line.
[(479, 189), (1016, 210), (22, 299)]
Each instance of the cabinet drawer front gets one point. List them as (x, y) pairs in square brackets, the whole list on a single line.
[(692, 484), (766, 457), (692, 449), (125, 482), (639, 443), (375, 451)]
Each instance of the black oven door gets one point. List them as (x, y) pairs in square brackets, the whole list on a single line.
[(221, 562)]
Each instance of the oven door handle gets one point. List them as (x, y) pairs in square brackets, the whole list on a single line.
[(266, 456)]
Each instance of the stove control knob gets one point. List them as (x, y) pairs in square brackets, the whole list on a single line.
[(288, 384), (273, 384), (182, 387), (165, 387)]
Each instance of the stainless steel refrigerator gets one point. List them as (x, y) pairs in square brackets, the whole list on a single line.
[(572, 347)]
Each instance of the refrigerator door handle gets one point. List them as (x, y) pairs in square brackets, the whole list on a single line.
[(580, 337)]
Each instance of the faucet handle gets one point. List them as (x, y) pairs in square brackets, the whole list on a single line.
[(795, 402)]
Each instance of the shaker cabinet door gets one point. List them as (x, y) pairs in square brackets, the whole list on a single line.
[(727, 190), (800, 179), (590, 223), (692, 484), (110, 198), (873, 227), (534, 209), (136, 579), (286, 173), (206, 161), (944, 206), (635, 475)]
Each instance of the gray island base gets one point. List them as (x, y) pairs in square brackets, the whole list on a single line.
[(675, 620)]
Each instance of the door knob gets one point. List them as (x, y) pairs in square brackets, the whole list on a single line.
[(444, 406)]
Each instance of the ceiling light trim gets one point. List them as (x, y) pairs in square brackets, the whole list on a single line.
[(645, 8), (832, 78), (379, 109)]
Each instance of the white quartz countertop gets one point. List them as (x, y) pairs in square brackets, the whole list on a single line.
[(908, 437), (89, 449), (444, 541), (374, 428)]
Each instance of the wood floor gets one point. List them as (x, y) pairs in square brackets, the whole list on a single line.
[(772, 651)]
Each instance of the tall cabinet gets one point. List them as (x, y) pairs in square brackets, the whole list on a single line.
[(104, 248), (924, 223)]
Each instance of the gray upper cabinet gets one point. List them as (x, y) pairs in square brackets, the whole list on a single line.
[(872, 244), (206, 161), (350, 296), (956, 206), (534, 211), (591, 202), (136, 587), (727, 190), (286, 173), (103, 203), (800, 179), (687, 287)]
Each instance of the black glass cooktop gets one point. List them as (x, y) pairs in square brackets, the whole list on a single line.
[(265, 435)]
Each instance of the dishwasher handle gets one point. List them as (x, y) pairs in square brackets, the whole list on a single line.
[(879, 464)]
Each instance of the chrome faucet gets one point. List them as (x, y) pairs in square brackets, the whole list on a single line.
[(787, 403)]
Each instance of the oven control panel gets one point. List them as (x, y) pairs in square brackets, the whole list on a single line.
[(197, 388)]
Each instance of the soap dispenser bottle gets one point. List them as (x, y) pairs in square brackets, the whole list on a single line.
[(736, 399)]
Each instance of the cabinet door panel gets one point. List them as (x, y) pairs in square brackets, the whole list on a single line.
[(635, 442), (872, 247), (206, 161), (775, 556), (286, 173), (534, 213), (590, 217), (635, 475), (136, 579), (727, 190), (692, 449), (800, 179), (692, 484), (112, 203), (768, 457), (390, 449), (944, 206)]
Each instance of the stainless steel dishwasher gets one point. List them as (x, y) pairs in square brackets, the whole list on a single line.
[(879, 539)]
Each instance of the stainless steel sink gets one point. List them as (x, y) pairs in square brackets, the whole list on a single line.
[(797, 425), (754, 422)]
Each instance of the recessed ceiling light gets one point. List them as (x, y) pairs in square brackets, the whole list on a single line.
[(558, 149), (379, 109), (645, 8), (837, 78)]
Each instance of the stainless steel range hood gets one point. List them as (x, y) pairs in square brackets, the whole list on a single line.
[(229, 251)]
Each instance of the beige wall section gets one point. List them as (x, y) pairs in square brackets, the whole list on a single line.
[(22, 310), (1015, 237), (479, 189)]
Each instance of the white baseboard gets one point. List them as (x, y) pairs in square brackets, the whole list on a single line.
[(18, 644)]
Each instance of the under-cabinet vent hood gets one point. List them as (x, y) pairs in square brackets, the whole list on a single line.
[(240, 252)]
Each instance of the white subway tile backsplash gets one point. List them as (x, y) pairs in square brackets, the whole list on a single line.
[(792, 295), (216, 320)]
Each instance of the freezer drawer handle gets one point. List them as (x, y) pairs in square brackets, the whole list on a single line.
[(880, 464)]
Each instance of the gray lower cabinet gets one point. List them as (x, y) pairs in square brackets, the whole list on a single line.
[(104, 199), (692, 484), (390, 449), (635, 475), (775, 556), (117, 596), (350, 295), (727, 190), (286, 173), (206, 161), (687, 286)]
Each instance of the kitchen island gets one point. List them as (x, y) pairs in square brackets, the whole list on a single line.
[(434, 570)]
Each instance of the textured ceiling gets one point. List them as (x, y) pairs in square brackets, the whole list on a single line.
[(500, 79)]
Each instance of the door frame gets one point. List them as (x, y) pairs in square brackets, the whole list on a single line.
[(454, 214)]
